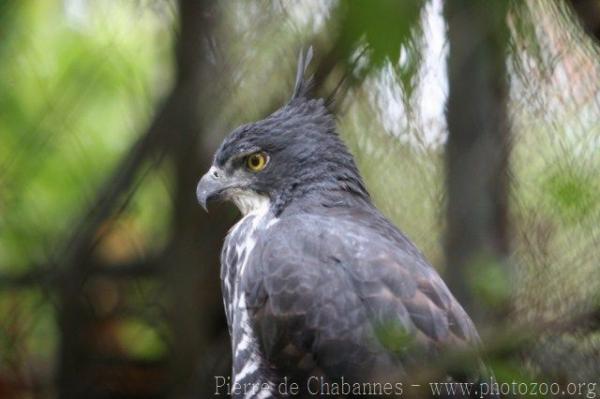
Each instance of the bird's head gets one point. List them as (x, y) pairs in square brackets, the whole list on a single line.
[(293, 152)]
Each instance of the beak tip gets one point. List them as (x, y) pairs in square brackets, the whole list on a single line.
[(201, 197), (203, 205)]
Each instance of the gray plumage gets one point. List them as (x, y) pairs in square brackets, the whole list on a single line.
[(314, 276)]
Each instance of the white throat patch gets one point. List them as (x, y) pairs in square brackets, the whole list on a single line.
[(250, 202)]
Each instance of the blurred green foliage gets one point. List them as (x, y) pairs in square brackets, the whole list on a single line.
[(78, 83), (76, 87), (381, 26), (490, 281), (572, 193), (395, 338)]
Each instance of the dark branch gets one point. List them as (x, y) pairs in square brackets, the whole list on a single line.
[(47, 275), (588, 13)]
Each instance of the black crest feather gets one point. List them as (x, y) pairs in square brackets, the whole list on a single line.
[(303, 84)]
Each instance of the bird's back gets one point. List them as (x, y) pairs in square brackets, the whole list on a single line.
[(335, 292)]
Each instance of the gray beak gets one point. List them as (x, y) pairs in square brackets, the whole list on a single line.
[(209, 188)]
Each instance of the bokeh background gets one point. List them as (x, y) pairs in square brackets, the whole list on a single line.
[(476, 126)]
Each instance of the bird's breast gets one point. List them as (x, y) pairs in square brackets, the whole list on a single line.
[(239, 245), (237, 251)]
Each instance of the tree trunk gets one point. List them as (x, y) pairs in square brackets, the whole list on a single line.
[(477, 151), (192, 257)]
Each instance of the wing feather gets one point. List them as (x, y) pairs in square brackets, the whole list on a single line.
[(322, 290)]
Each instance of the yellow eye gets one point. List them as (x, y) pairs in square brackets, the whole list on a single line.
[(257, 161)]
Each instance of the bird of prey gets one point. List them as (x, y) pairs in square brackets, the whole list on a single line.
[(318, 285)]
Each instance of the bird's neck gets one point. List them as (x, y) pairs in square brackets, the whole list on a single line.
[(322, 195), (251, 202)]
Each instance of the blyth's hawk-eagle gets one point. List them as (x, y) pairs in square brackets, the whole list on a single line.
[(313, 274)]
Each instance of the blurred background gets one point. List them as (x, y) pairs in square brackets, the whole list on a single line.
[(476, 126)]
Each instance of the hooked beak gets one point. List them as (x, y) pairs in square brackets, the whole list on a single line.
[(210, 188)]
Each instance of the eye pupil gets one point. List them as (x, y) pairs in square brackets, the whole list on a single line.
[(256, 162)]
